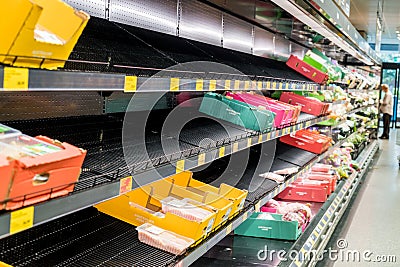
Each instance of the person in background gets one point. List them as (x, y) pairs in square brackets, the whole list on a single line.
[(386, 107)]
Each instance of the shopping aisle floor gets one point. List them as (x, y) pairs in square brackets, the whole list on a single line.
[(371, 226)]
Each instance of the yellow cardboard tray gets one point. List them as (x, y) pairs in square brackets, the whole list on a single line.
[(38, 33)]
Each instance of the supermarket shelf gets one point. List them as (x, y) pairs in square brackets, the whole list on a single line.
[(180, 81), (87, 238), (325, 226), (106, 174)]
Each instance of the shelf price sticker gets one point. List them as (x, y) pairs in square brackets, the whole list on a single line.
[(174, 84), (269, 136), (274, 85), (199, 85), (202, 159), (260, 139), (268, 85), (221, 152), (227, 84), (21, 219), (287, 86), (180, 166), (280, 86), (212, 85), (249, 142), (229, 229), (259, 85), (16, 79), (246, 85), (236, 85), (235, 147), (125, 185), (130, 84), (308, 123), (257, 207)]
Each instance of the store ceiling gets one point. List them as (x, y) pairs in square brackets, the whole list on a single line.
[(363, 15)]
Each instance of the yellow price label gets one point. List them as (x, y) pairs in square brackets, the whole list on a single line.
[(268, 85), (235, 147), (16, 79), (276, 191), (174, 84), (180, 166), (288, 130), (244, 216), (293, 86), (202, 159), (130, 84), (280, 86), (260, 139), (269, 136), (283, 131), (21, 219), (227, 84), (125, 185), (221, 152), (229, 229), (213, 85), (248, 142), (246, 85), (287, 86), (253, 85), (257, 207), (199, 85), (274, 85), (237, 85), (259, 85), (303, 87)]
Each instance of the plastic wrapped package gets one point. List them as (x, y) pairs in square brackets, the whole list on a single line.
[(319, 167), (162, 239), (272, 176), (287, 171), (185, 208)]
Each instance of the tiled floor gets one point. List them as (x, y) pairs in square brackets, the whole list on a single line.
[(371, 226)]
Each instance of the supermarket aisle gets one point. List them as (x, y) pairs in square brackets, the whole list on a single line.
[(372, 225)]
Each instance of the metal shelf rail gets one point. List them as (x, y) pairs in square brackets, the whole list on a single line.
[(21, 79)]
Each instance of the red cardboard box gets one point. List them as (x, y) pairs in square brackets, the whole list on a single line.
[(39, 178), (308, 105), (307, 70), (304, 193)]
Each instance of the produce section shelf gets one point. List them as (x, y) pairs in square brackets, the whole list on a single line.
[(87, 237)]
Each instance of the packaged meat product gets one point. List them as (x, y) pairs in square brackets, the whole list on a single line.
[(185, 208), (287, 171), (162, 239), (319, 167), (296, 207), (272, 176)]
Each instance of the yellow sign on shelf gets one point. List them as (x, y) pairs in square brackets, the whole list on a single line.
[(199, 85), (130, 84), (16, 79), (257, 207), (221, 152), (269, 136), (229, 229), (21, 219), (227, 84), (125, 185), (249, 142), (174, 84), (180, 166), (237, 85), (268, 85), (213, 85), (260, 138), (259, 85), (244, 216), (246, 85), (235, 147), (274, 85), (202, 159)]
